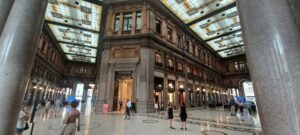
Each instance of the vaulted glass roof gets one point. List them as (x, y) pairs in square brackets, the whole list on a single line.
[(215, 21), (75, 25)]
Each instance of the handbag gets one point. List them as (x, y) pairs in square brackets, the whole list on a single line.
[(26, 126)]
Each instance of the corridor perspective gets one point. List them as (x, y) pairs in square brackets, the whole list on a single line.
[(149, 67)]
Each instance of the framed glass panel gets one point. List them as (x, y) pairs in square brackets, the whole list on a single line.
[(78, 50), (138, 20), (219, 24), (190, 10), (81, 58), (232, 40), (127, 21), (232, 52), (76, 36), (77, 13)]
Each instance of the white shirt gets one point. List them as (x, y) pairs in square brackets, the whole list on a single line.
[(155, 105), (21, 120), (128, 104)]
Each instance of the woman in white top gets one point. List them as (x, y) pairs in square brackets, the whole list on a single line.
[(23, 117)]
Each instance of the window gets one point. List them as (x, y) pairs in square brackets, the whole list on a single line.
[(179, 41), (179, 66), (170, 63), (170, 31), (188, 69), (236, 66), (158, 26), (138, 20), (127, 23), (117, 22), (186, 45), (158, 58)]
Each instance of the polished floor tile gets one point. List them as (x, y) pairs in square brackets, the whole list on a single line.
[(200, 121)]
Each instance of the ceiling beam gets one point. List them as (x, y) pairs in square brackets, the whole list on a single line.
[(80, 55), (223, 35), (212, 14), (71, 26), (230, 48), (96, 2), (76, 44)]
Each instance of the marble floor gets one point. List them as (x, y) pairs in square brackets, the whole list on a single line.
[(200, 122)]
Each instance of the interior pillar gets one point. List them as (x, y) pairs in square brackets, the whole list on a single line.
[(272, 49), (18, 45)]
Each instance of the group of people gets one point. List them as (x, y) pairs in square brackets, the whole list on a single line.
[(235, 105), (183, 116), (69, 125)]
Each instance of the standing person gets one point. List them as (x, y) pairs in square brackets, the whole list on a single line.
[(156, 107), (127, 111), (183, 116), (232, 107), (120, 103), (70, 119), (170, 115), (241, 105), (23, 117), (47, 108), (57, 106)]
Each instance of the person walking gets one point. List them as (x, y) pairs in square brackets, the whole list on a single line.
[(120, 103), (127, 111), (170, 116), (21, 124), (47, 108), (156, 107), (70, 126), (57, 106), (183, 116)]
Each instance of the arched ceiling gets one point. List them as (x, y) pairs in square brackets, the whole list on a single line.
[(215, 21)]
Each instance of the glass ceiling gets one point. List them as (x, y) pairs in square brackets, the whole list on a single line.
[(214, 21), (75, 25)]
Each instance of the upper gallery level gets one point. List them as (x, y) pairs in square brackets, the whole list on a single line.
[(140, 18)]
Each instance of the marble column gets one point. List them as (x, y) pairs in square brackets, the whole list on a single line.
[(272, 49), (5, 6), (17, 52)]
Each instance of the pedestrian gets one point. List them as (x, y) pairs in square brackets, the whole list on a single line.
[(120, 104), (47, 108), (241, 106), (21, 124), (156, 107), (232, 107), (127, 110), (170, 116), (70, 126), (183, 116), (57, 106)]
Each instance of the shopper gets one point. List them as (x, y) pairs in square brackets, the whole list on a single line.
[(57, 106), (70, 126), (21, 124), (170, 115), (127, 111), (156, 107), (47, 108), (183, 116)]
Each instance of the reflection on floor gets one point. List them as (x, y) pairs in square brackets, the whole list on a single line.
[(200, 121)]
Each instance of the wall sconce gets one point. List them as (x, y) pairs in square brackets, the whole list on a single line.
[(159, 85), (198, 89), (181, 86), (204, 90), (35, 87), (41, 88)]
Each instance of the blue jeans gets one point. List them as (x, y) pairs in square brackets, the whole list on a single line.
[(19, 130)]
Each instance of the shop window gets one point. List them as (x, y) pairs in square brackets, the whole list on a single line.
[(170, 31), (127, 22), (158, 26), (117, 22), (138, 20)]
